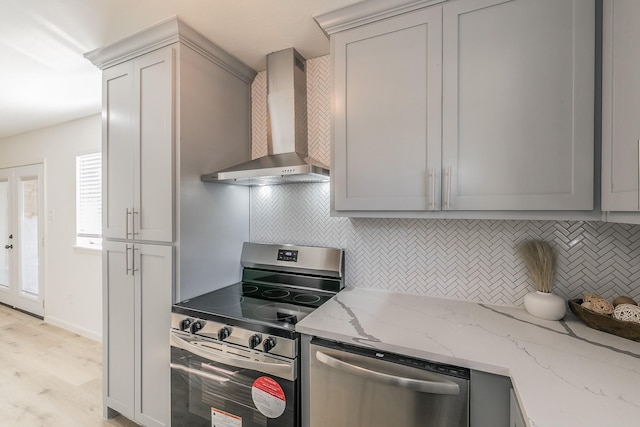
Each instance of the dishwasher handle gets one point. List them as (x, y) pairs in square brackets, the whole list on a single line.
[(442, 386)]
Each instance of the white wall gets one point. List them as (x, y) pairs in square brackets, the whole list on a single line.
[(72, 277)]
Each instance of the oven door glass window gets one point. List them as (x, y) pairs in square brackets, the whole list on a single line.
[(205, 390)]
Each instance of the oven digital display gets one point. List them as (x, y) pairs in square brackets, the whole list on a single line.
[(287, 255)]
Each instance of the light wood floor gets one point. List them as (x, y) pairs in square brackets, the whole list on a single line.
[(49, 377)]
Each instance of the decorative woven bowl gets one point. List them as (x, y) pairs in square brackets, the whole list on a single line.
[(602, 322)]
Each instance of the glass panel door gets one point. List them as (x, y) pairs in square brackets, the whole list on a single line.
[(21, 226), (29, 269)]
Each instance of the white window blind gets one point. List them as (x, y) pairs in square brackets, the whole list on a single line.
[(89, 199)]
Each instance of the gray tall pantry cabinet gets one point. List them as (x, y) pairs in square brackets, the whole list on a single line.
[(175, 106)]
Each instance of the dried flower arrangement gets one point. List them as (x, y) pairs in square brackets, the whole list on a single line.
[(541, 261)]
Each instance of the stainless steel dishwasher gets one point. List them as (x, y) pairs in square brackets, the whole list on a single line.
[(357, 387)]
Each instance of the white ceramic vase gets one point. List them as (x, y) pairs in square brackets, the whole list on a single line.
[(545, 305)]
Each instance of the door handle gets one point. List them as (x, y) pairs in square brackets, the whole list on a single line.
[(439, 385), (8, 246)]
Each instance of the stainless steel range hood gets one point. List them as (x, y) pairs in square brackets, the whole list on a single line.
[(287, 160)]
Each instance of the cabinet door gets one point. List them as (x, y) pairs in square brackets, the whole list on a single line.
[(387, 114), (621, 105), (117, 151), (153, 155), (119, 302), (153, 265), (518, 93)]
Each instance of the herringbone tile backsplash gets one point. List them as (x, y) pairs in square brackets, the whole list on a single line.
[(465, 259)]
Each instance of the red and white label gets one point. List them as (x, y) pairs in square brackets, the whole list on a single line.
[(268, 397), (224, 419)]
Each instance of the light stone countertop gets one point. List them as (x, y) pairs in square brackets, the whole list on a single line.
[(564, 373)]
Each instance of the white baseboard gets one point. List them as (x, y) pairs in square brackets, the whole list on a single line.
[(73, 328)]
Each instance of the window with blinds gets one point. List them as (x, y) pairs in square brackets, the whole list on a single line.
[(89, 200)]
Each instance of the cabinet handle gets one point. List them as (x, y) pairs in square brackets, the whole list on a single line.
[(126, 261), (432, 176), (449, 189), (447, 175), (133, 260), (133, 222), (127, 232)]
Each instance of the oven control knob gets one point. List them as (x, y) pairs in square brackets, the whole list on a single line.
[(254, 340), (196, 326), (268, 344), (184, 324), (224, 333)]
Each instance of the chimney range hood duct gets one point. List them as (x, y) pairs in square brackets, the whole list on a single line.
[(287, 160)]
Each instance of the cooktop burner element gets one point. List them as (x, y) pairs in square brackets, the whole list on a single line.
[(276, 293), (248, 289), (307, 298)]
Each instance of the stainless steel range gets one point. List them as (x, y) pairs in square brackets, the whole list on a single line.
[(235, 354)]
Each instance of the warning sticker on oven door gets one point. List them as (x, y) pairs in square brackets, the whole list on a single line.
[(224, 419), (268, 397)]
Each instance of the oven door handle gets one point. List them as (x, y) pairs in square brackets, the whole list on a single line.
[(283, 370), (439, 386)]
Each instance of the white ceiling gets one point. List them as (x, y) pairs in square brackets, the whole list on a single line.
[(45, 79)]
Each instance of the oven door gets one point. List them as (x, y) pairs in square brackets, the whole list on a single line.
[(220, 385)]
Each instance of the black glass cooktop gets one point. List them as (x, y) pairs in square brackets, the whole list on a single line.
[(273, 306)]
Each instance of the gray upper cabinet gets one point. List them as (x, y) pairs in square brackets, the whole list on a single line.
[(518, 97), (620, 106), (138, 148), (117, 150), (387, 124), (467, 105)]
